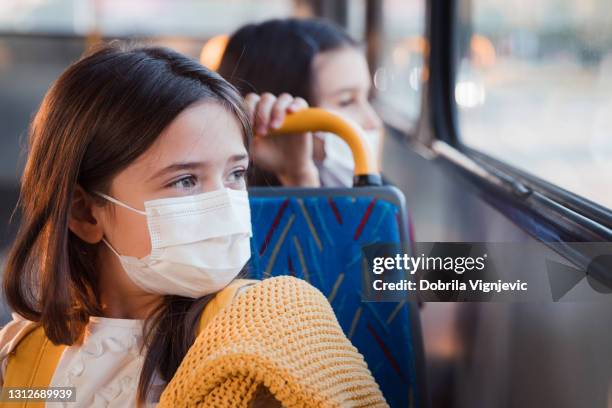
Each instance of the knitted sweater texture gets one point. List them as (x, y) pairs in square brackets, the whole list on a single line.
[(281, 334)]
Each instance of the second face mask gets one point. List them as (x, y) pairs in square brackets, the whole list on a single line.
[(337, 169)]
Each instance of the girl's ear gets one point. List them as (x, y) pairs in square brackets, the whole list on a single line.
[(81, 220)]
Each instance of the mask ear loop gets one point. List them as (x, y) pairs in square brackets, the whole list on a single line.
[(119, 203), (111, 247)]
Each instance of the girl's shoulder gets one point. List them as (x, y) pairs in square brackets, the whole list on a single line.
[(270, 288), (223, 298), (286, 294), (291, 284), (10, 336), (267, 290)]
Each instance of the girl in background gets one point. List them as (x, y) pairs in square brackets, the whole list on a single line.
[(317, 61)]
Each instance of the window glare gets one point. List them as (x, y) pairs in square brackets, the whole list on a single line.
[(399, 78), (534, 88), (198, 18)]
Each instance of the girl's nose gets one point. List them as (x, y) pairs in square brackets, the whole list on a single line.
[(371, 120), (212, 184)]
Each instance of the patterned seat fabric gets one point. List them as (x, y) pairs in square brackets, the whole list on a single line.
[(319, 239)]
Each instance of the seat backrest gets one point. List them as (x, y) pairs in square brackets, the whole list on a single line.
[(318, 235)]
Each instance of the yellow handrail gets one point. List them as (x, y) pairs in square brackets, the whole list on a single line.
[(321, 120)]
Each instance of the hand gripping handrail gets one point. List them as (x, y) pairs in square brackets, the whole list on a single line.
[(321, 120)]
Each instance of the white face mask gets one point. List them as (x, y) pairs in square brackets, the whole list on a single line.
[(337, 169), (199, 243)]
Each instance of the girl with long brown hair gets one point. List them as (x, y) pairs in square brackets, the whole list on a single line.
[(134, 214)]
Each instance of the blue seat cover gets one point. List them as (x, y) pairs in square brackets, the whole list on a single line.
[(319, 239)]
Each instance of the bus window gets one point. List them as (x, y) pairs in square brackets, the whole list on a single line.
[(139, 18), (534, 88), (400, 75)]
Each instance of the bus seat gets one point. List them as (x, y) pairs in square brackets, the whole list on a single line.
[(317, 234)]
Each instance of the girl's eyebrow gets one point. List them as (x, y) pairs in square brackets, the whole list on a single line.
[(239, 157), (177, 167), (174, 167)]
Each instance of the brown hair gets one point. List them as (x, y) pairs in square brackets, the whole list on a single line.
[(101, 114)]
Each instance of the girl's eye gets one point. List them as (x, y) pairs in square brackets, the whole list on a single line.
[(184, 183), (346, 102), (237, 175)]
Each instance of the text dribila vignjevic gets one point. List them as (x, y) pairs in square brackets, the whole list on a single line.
[(453, 285)]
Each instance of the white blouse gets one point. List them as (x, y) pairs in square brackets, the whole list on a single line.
[(104, 369)]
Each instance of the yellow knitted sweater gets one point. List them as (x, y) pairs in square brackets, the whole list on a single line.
[(281, 334)]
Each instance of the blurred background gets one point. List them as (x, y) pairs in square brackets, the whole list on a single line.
[(532, 88), (533, 81)]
